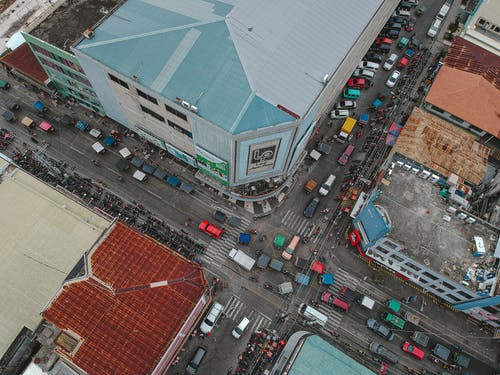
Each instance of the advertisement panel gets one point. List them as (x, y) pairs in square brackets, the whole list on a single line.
[(262, 156), (212, 166)]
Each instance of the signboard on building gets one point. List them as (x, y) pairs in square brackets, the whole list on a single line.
[(212, 166), (262, 156)]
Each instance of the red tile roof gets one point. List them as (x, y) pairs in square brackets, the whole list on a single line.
[(23, 60), (126, 324), (468, 86)]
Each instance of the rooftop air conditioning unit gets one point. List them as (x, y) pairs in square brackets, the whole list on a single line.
[(194, 109), (424, 174), (89, 33), (462, 216), (407, 167), (399, 163), (451, 209), (470, 220), (185, 104), (415, 170)]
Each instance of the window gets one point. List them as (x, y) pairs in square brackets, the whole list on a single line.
[(146, 96), (118, 80), (176, 112), (476, 129), (434, 108), (179, 129), (152, 114)]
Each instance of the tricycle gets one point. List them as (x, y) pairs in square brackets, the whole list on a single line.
[(39, 106), (82, 125), (302, 279)]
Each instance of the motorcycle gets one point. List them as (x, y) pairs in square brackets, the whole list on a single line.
[(255, 279), (252, 231), (268, 286)]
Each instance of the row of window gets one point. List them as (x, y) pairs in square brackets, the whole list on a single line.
[(457, 119), (57, 58), (64, 71), (488, 25), (152, 99), (170, 123)]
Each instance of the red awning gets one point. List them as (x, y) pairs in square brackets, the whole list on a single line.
[(318, 267), (354, 237)]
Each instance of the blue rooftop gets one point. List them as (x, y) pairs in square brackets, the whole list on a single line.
[(318, 357), (238, 61), (373, 222), (183, 57)]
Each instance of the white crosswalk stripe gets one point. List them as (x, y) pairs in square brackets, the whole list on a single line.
[(236, 309), (335, 316), (297, 223), (217, 250)]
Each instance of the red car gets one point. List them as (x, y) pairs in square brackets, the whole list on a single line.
[(358, 83), (210, 229), (410, 25), (413, 350)]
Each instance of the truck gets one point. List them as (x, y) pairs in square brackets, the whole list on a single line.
[(366, 302), (346, 130), (310, 186), (396, 321), (242, 259)]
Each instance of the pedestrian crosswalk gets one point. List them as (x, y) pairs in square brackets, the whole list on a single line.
[(217, 250), (235, 310), (297, 223), (334, 315)]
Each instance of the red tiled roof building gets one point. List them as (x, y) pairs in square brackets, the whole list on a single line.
[(133, 310)]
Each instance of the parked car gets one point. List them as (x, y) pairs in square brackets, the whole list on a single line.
[(208, 323), (391, 81), (413, 350), (359, 83), (398, 19), (346, 104), (410, 25), (339, 113), (373, 57), (210, 229), (195, 360), (389, 63), (356, 73), (368, 65), (311, 207), (380, 329)]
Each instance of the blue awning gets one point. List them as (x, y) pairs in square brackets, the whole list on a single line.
[(174, 181)]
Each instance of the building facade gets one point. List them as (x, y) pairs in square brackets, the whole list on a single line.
[(229, 89)]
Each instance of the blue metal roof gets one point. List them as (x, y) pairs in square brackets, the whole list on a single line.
[(373, 222), (318, 357), (235, 60), (182, 57)]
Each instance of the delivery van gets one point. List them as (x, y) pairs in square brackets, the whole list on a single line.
[(313, 315), (344, 158)]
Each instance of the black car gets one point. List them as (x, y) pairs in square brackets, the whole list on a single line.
[(398, 19), (374, 57), (311, 208)]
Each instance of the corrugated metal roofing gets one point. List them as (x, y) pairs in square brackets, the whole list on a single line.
[(235, 60), (126, 325), (441, 146), (318, 357), (23, 60)]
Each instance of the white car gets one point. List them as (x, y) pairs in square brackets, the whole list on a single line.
[(368, 65), (393, 78), (208, 323), (389, 63), (339, 113), (345, 104)]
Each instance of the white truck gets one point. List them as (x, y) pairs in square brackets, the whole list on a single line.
[(245, 261)]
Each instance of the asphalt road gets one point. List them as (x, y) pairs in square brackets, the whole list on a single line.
[(241, 296)]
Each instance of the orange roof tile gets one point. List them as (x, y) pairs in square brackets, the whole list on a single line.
[(23, 60), (126, 324), (468, 96), (439, 145)]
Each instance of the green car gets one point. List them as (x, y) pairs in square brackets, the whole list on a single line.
[(396, 321), (4, 84)]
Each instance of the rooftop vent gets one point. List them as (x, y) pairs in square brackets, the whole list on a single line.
[(326, 77), (185, 104), (194, 109)]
